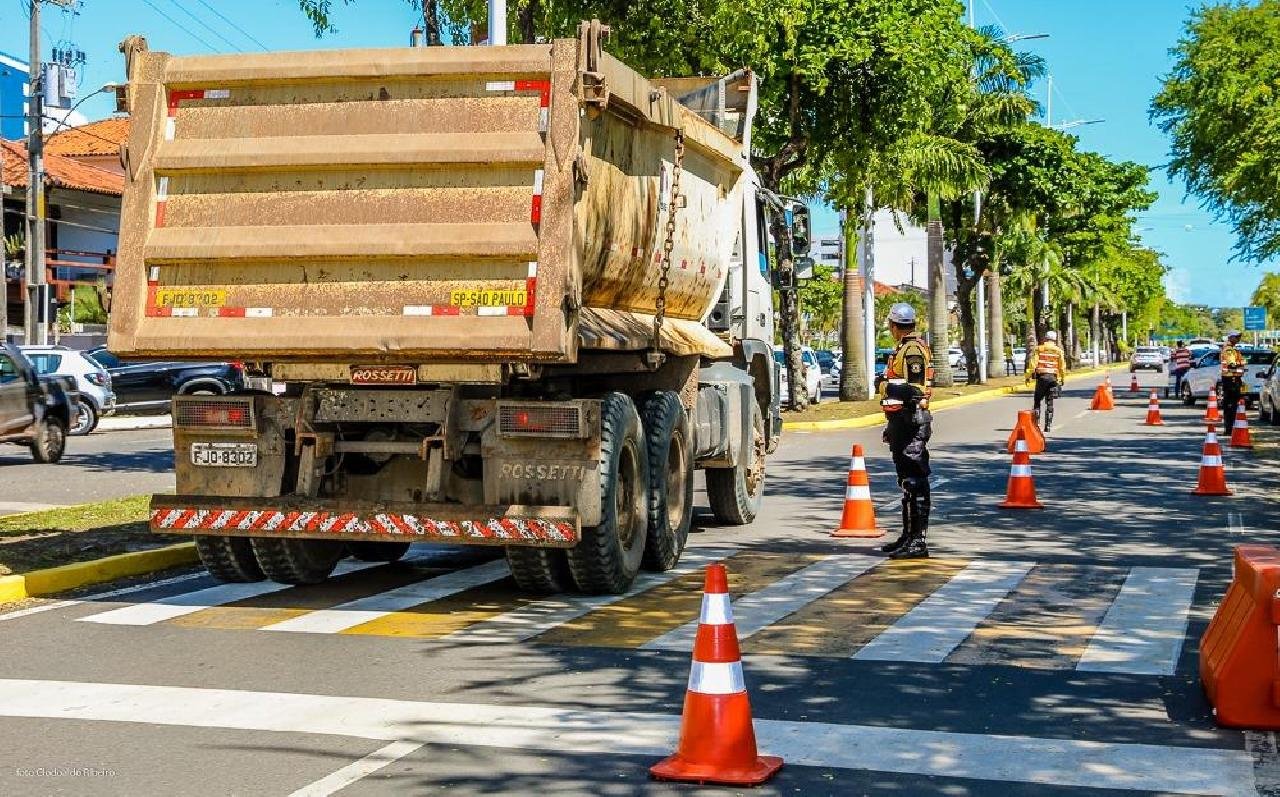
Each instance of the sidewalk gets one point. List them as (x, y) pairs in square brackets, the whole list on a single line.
[(133, 423)]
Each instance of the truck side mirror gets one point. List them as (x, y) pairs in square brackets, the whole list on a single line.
[(801, 234)]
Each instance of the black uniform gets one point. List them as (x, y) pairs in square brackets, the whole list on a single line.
[(904, 393)]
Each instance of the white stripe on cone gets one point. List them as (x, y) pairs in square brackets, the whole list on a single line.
[(716, 609), (857, 463), (1215, 462), (1021, 445), (1020, 470), (857, 493), (720, 678)]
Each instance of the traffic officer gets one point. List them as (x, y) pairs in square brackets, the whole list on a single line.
[(1232, 379), (1050, 374), (1180, 359), (904, 397)]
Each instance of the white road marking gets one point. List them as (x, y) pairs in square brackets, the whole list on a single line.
[(337, 781), (939, 623), (46, 607), (1261, 745), (998, 758), (1142, 632), (540, 616), (362, 610), (757, 611), (1235, 523), (173, 606)]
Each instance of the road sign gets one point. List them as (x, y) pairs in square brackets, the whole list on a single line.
[(1255, 319)]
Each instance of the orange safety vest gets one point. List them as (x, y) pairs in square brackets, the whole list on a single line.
[(1232, 362), (1049, 359), (895, 372)]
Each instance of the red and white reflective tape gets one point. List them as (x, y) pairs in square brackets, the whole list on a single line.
[(543, 87), (246, 312), (718, 678), (385, 524), (536, 212), (857, 492), (1020, 471), (162, 196), (177, 96)]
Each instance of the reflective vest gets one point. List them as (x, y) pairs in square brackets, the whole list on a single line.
[(909, 372), (1181, 358), (1232, 361), (1050, 360)]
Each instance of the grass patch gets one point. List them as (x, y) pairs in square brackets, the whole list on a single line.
[(52, 537), (839, 410)]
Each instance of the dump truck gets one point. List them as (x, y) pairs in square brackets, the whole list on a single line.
[(509, 296)]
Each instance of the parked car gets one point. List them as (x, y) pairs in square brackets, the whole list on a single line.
[(812, 374), (827, 361), (92, 381), (1269, 394), (1206, 373), (955, 356), (882, 362), (148, 386), (1166, 353), (1146, 358), (35, 410)]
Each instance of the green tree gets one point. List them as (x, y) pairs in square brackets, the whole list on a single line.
[(1267, 295), (820, 299), (1220, 105)]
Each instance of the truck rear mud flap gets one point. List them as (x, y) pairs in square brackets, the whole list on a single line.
[(533, 526)]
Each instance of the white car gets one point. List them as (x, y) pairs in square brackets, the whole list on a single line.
[(812, 374), (1147, 358), (955, 356), (1206, 373), (92, 380)]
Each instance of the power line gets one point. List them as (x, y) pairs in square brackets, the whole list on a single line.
[(206, 25), (243, 32), (180, 26)]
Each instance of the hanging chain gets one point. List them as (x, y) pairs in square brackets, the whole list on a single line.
[(668, 245)]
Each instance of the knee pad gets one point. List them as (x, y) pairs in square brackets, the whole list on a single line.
[(915, 485)]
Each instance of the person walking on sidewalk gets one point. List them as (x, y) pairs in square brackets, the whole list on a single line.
[(1232, 379), (1181, 361), (1050, 374), (904, 397)]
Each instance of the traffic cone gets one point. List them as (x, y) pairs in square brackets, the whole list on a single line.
[(1240, 429), (1106, 381), (1211, 414), (859, 517), (717, 739), (1153, 412), (1102, 399), (1213, 478), (1133, 383), (1022, 487), (1032, 434)]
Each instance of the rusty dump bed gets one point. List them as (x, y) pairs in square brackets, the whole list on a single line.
[(414, 205)]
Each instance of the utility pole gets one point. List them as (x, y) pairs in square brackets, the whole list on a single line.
[(869, 290), (37, 298)]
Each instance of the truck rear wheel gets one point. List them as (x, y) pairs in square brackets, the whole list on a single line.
[(378, 551), (540, 571), (666, 430), (608, 556), (228, 559), (290, 561), (735, 493)]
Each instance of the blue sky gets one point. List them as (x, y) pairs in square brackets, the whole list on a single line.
[(1106, 58)]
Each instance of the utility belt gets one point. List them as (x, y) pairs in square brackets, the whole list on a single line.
[(1234, 373), (901, 401)]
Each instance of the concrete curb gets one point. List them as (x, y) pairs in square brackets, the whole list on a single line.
[(875, 418), (133, 423), (80, 574)]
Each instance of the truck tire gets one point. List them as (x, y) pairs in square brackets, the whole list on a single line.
[(49, 441), (228, 559), (607, 558), (378, 551), (539, 571), (735, 493), (666, 430), (290, 561)]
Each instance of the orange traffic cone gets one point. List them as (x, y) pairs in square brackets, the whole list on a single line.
[(1213, 478), (1022, 487), (717, 739), (1153, 412), (1102, 399), (1240, 429), (1032, 434), (1106, 381), (1211, 414), (1133, 383), (859, 517)]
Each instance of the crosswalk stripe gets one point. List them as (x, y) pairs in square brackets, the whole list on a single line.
[(638, 618), (173, 606), (757, 611), (353, 613), (946, 754), (539, 616), (1143, 630), (930, 631)]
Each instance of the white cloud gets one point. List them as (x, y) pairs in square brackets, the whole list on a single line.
[(1177, 284)]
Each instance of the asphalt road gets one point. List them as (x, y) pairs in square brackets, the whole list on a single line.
[(1048, 652), (95, 467)]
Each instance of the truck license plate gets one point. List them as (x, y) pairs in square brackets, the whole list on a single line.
[(225, 455)]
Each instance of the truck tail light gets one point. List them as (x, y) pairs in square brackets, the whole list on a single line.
[(540, 420), (207, 414)]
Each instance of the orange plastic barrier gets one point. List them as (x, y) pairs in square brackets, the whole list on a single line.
[(1239, 661), (1031, 432)]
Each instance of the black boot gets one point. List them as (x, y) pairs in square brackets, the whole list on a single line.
[(915, 547), (906, 530)]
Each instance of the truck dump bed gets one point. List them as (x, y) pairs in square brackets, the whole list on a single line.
[(416, 205)]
